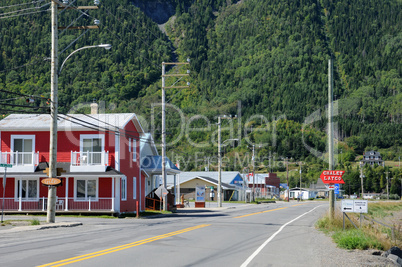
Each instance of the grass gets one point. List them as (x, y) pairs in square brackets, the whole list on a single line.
[(35, 222), (369, 235), (383, 209), (356, 239)]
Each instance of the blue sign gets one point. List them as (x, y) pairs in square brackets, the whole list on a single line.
[(336, 189)]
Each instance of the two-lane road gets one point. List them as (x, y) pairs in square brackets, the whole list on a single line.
[(248, 235)]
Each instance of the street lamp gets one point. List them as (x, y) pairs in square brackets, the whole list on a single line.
[(220, 158), (106, 46), (51, 205)]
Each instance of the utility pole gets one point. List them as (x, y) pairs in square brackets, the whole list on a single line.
[(219, 164), (361, 176), (164, 75), (253, 162), (287, 177), (51, 200), (330, 136), (300, 180), (387, 186)]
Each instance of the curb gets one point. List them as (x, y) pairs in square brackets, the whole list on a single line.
[(40, 227)]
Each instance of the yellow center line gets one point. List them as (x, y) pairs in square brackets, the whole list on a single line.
[(299, 204), (242, 216), (118, 248)]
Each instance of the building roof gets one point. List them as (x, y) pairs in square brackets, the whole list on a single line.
[(110, 172), (76, 122), (225, 186), (153, 165), (372, 153), (226, 177)]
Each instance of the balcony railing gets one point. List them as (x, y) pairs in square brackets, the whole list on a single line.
[(21, 161), (89, 161)]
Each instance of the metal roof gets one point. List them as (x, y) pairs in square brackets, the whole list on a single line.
[(226, 177), (41, 122), (153, 165)]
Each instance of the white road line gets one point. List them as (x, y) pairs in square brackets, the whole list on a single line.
[(247, 262)]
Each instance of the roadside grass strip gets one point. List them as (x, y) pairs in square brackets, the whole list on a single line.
[(242, 216), (122, 247)]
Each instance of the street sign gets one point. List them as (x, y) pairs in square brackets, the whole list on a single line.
[(330, 186), (161, 191), (51, 181), (353, 205), (347, 205), (6, 165), (332, 177), (336, 189), (360, 206)]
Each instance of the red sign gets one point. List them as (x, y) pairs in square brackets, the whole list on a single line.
[(332, 177), (51, 181)]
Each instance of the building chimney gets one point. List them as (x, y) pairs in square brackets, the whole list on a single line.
[(94, 108)]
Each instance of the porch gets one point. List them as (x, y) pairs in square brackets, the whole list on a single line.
[(63, 205)]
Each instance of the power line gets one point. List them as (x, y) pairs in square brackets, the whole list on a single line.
[(29, 13), (24, 95), (30, 3), (21, 10), (26, 65)]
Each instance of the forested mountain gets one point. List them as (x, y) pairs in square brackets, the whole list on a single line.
[(270, 56)]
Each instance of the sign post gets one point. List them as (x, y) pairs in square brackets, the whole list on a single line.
[(161, 192), (351, 205), (330, 178), (4, 186)]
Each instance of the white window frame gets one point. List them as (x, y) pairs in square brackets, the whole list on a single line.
[(129, 145), (13, 137), (26, 198), (30, 136), (124, 188), (86, 189), (134, 150), (92, 136), (134, 187)]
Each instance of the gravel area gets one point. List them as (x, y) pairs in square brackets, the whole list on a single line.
[(331, 255)]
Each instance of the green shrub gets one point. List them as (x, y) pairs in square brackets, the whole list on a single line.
[(356, 239), (35, 222)]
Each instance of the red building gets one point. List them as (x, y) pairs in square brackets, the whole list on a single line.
[(99, 154)]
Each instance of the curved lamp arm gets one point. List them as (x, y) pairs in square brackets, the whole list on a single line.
[(106, 46)]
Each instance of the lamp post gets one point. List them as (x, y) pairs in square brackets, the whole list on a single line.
[(220, 158), (51, 204)]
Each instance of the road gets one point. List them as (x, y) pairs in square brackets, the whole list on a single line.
[(276, 234)]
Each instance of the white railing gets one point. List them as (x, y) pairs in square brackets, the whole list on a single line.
[(89, 161), (20, 161), (20, 158), (40, 204), (89, 158)]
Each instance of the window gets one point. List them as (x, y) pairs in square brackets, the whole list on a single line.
[(129, 145), (134, 187), (24, 145), (29, 189), (91, 148), (85, 189), (124, 188), (134, 150)]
